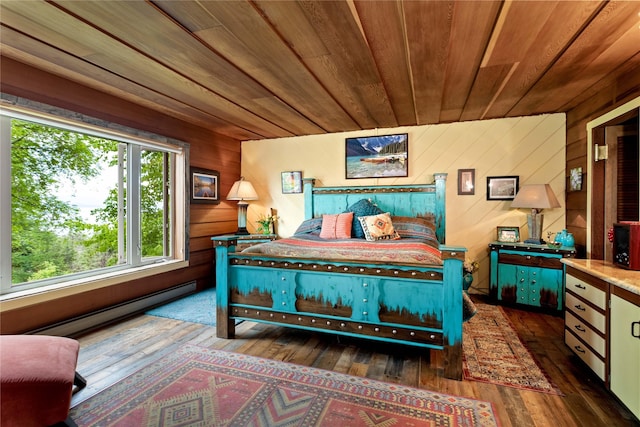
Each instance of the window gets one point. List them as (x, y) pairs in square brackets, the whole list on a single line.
[(80, 200)]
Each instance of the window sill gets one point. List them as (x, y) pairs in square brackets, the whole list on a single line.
[(29, 297)]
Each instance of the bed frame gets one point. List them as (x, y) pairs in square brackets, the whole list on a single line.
[(410, 304)]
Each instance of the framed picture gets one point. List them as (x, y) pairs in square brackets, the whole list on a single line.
[(466, 181), (509, 234), (291, 182), (377, 156), (204, 186), (502, 187), (575, 179)]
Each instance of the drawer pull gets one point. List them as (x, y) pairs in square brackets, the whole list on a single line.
[(579, 307), (579, 286), (580, 328), (579, 349), (633, 325)]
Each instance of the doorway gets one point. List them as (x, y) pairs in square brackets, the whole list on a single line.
[(614, 175)]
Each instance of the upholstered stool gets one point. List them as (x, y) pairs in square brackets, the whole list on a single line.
[(37, 375)]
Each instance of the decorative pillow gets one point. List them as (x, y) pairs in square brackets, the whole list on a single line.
[(412, 227), (336, 226), (378, 227), (360, 208), (310, 226)]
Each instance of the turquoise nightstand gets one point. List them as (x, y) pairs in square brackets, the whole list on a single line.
[(247, 240), (528, 274)]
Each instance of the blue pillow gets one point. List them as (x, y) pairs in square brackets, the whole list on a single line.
[(362, 207), (310, 226)]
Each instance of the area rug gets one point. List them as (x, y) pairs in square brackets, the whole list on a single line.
[(197, 386), (197, 308), (493, 353)]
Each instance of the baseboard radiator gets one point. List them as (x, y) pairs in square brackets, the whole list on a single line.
[(87, 322)]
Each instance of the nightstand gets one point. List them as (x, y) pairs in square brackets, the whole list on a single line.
[(245, 241), (528, 274)]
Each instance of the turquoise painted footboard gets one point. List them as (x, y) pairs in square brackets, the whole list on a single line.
[(416, 305)]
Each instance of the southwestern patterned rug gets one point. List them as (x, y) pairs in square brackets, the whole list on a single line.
[(493, 353), (197, 386)]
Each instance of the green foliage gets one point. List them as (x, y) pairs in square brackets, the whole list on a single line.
[(49, 237), (41, 156), (151, 203)]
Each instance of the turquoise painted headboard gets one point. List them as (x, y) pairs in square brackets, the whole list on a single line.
[(417, 200)]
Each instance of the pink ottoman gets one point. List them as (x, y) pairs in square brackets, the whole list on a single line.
[(37, 374)]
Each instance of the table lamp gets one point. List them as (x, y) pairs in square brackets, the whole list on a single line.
[(536, 197), (242, 190)]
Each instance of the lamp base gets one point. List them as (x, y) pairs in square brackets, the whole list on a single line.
[(535, 241), (534, 221), (242, 219)]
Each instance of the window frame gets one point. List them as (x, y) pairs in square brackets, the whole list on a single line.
[(19, 108)]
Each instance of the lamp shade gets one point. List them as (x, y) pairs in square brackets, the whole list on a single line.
[(242, 190), (535, 196)]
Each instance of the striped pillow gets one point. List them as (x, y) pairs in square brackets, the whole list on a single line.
[(336, 226)]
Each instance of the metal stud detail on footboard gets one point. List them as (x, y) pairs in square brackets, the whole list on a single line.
[(408, 334), (336, 268)]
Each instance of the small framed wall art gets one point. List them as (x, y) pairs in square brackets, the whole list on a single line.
[(502, 187), (508, 234), (466, 182), (575, 179), (291, 182), (204, 186)]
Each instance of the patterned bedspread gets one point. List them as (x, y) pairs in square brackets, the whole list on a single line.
[(405, 250)]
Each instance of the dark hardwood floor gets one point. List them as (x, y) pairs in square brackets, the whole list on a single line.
[(113, 352)]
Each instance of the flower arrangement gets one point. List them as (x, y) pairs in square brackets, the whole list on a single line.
[(471, 266), (266, 222)]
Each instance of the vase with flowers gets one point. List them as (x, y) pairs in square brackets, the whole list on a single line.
[(469, 267), (266, 223)]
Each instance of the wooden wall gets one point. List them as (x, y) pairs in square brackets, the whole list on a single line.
[(208, 150), (625, 87)]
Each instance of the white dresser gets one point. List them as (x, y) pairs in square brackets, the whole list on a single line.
[(602, 324)]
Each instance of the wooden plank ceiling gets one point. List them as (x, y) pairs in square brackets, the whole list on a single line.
[(263, 69)]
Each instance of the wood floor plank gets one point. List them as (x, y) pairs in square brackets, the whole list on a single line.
[(110, 354)]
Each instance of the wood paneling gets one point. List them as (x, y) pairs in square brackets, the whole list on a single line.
[(207, 149), (256, 69), (625, 87)]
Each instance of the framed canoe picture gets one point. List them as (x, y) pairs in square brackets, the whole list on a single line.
[(383, 156)]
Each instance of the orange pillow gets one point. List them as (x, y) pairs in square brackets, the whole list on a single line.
[(336, 226)]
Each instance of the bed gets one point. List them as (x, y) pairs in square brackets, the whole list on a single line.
[(415, 302)]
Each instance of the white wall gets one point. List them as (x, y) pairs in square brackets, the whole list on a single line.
[(531, 147)]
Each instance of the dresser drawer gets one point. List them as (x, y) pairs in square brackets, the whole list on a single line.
[(529, 260), (587, 291), (586, 312), (587, 356), (585, 333)]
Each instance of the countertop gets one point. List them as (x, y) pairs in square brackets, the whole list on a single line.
[(626, 279)]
